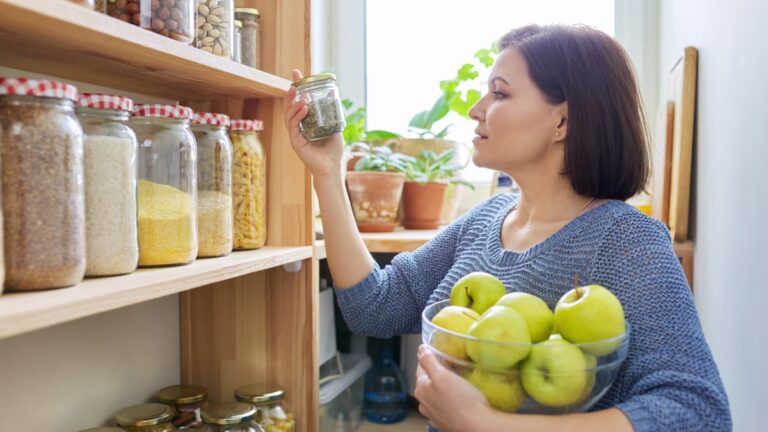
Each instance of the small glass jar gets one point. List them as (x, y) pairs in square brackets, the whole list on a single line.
[(151, 417), (237, 42), (229, 417), (325, 115), (214, 26), (250, 46), (42, 183), (187, 402), (214, 184), (249, 189), (109, 163), (85, 3), (167, 185), (171, 18), (272, 413)]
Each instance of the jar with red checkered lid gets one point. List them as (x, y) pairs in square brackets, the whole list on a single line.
[(249, 185), (110, 169), (214, 184), (167, 189), (42, 171)]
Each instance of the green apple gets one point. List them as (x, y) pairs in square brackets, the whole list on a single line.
[(535, 312), (455, 319), (504, 391), (554, 374), (502, 339), (591, 362), (590, 314), (477, 291)]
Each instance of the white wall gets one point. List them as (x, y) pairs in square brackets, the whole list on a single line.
[(731, 181)]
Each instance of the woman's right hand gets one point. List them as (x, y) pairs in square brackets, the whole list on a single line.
[(322, 157)]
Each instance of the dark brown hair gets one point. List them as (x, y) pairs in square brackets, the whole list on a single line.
[(606, 151)]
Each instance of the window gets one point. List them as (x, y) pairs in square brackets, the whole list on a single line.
[(412, 45)]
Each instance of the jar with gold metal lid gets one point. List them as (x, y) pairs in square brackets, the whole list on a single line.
[(229, 417), (187, 402), (151, 417), (272, 412), (250, 45), (103, 429), (325, 115)]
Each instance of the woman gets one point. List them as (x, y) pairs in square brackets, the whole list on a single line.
[(562, 117)]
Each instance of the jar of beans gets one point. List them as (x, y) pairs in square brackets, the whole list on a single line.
[(172, 18)]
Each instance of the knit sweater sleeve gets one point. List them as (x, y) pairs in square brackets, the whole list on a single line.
[(669, 381)]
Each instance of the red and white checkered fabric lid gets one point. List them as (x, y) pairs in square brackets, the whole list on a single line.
[(213, 119), (35, 87), (160, 110), (105, 102), (247, 125)]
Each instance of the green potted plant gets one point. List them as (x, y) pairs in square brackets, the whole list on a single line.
[(375, 188), (357, 139), (427, 179)]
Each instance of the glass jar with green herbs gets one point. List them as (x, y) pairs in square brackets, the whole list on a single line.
[(325, 115)]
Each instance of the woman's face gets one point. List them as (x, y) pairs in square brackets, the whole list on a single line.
[(516, 126)]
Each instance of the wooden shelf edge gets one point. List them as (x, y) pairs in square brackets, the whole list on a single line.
[(25, 312), (60, 38)]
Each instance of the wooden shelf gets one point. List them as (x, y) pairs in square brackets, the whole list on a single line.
[(63, 39), (24, 312)]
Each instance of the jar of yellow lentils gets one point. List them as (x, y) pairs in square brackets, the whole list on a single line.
[(167, 192), (249, 190), (272, 413)]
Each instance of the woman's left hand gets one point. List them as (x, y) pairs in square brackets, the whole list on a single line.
[(446, 399)]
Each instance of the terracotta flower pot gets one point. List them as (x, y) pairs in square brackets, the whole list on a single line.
[(375, 198), (423, 205), (353, 158)]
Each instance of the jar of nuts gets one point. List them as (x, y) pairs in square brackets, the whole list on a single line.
[(42, 183), (150, 417), (214, 26), (272, 413), (249, 191), (250, 45), (171, 18)]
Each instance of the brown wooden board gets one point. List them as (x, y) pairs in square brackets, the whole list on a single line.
[(662, 161)]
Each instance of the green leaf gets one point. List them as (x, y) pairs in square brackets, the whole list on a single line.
[(419, 121), (467, 72), (439, 110), (347, 104), (449, 86), (380, 135), (444, 132), (484, 56)]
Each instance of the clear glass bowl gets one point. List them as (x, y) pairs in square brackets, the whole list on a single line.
[(536, 389)]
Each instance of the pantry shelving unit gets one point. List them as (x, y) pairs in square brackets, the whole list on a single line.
[(247, 317)]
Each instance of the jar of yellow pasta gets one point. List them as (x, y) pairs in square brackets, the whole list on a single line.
[(249, 190)]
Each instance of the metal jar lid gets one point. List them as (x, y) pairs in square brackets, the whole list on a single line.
[(103, 429), (182, 394), (227, 413), (314, 79), (249, 11), (150, 414), (259, 393)]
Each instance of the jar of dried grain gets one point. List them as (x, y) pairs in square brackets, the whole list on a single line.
[(325, 115), (42, 171), (110, 145), (172, 18), (214, 26), (249, 190), (150, 417), (250, 45), (214, 184), (167, 192)]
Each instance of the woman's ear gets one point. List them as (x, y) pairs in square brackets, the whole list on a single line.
[(561, 129)]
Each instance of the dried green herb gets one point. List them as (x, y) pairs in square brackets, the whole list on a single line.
[(324, 118)]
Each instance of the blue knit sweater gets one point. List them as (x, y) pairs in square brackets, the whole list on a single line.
[(669, 381)]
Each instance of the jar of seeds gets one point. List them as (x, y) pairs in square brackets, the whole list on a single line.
[(42, 183), (150, 417), (229, 417), (237, 42), (325, 115), (250, 46), (214, 26), (172, 18), (249, 190), (187, 402)]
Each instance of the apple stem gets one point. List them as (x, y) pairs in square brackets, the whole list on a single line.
[(576, 280)]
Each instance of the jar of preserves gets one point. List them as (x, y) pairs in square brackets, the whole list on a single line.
[(249, 190), (229, 417), (250, 45), (150, 417), (172, 18), (187, 402), (42, 183), (237, 42), (110, 169), (272, 413), (325, 115), (214, 184), (215, 26), (167, 192)]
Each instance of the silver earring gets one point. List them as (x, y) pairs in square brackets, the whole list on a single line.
[(557, 133)]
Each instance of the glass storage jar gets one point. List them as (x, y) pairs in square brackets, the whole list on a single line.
[(325, 115), (85, 3), (214, 184), (214, 26), (100, 6), (250, 40), (103, 429), (42, 183), (167, 184), (249, 189), (187, 402), (237, 41), (229, 417), (109, 164), (150, 417), (272, 413), (172, 18)]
